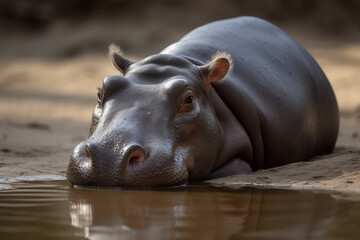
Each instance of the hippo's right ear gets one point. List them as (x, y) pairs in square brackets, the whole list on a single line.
[(217, 68), (121, 63)]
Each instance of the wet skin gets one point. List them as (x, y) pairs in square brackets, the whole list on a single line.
[(191, 113)]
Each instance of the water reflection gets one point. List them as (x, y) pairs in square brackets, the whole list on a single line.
[(54, 210), (199, 212)]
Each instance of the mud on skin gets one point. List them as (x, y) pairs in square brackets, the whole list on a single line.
[(230, 97)]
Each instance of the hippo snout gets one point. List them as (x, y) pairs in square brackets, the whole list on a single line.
[(87, 163), (93, 164), (131, 155)]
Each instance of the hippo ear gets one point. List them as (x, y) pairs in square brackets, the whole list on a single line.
[(121, 63), (217, 68)]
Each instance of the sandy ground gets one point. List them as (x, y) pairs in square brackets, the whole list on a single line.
[(45, 109)]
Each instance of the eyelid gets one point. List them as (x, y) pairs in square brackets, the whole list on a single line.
[(174, 87), (187, 93)]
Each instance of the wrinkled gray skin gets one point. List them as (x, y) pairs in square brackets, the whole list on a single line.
[(186, 115)]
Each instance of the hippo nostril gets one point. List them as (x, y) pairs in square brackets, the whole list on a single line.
[(136, 156)]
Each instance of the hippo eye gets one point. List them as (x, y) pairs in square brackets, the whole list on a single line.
[(189, 100)]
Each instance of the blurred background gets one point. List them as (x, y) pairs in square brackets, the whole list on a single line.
[(53, 55), (68, 28)]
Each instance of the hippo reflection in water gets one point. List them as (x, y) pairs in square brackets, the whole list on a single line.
[(230, 97), (204, 213)]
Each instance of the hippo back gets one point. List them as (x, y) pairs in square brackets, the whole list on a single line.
[(276, 90)]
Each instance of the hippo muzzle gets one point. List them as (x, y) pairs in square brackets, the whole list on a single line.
[(130, 168)]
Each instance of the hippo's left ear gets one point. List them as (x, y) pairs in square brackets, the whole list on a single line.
[(217, 68), (121, 63)]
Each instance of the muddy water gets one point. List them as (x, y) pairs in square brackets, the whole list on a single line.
[(54, 210)]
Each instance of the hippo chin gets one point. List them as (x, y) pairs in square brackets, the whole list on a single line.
[(230, 97)]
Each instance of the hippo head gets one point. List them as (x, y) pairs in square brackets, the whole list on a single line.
[(153, 126)]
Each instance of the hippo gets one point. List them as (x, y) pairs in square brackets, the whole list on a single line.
[(230, 97)]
